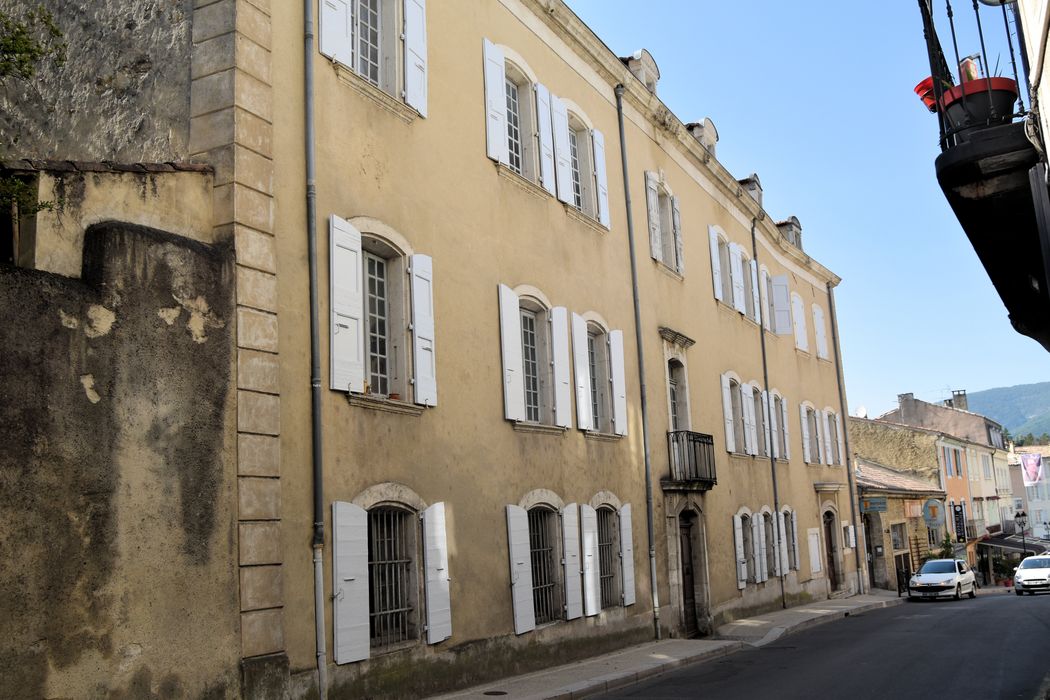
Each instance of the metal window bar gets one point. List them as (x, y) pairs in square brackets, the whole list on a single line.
[(592, 364), (606, 558), (368, 32), (513, 128), (577, 186), (378, 324), (530, 366), (542, 556), (692, 456), (389, 573)]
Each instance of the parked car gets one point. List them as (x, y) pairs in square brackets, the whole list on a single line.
[(939, 578), (1032, 575)]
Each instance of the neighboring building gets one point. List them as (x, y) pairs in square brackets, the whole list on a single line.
[(897, 537), (477, 413), (1036, 501)]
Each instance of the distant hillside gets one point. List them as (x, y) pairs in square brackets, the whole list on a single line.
[(1021, 409)]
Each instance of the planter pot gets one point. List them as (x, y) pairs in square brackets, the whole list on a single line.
[(968, 105), (925, 92)]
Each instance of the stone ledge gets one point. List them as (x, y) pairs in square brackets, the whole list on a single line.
[(380, 97), (377, 403), (540, 428)]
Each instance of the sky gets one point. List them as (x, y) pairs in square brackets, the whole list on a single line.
[(817, 98)]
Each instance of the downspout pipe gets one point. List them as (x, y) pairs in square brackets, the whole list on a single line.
[(315, 350), (619, 90), (859, 550), (769, 410)]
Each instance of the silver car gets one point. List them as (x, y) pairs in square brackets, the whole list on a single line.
[(939, 578), (1032, 575)]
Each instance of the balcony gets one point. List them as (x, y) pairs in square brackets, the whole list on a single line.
[(989, 168), (692, 459), (975, 528)]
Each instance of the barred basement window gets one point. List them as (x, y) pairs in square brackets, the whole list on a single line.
[(546, 597), (392, 586), (608, 557)]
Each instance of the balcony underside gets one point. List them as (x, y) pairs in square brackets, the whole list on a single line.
[(993, 180), (691, 485)]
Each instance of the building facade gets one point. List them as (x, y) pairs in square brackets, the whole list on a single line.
[(460, 474)]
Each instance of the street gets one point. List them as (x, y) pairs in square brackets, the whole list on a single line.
[(995, 646)]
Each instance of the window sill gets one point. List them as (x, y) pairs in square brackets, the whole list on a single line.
[(539, 428), (376, 403), (394, 648), (522, 182), (668, 270), (602, 437), (585, 219), (377, 95)]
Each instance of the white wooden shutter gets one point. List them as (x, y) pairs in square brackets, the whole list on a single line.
[(676, 225), (774, 432), (756, 298), (727, 414), (798, 315), (781, 305), (619, 382), (416, 55), (601, 180), (520, 569), (337, 23), (562, 152), (763, 279), (546, 138), (820, 332), (806, 456), (736, 264), (496, 103), (510, 343), (716, 264), (652, 208), (796, 562), (782, 548), (570, 529), (581, 368), (627, 554), (435, 564), (762, 562), (813, 536), (826, 441), (766, 426), (589, 535), (425, 379), (347, 300), (784, 427), (747, 403), (756, 545), (852, 532), (350, 582), (741, 559), (842, 444), (561, 367)]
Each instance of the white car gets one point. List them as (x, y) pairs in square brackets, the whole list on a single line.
[(939, 578), (1032, 575)]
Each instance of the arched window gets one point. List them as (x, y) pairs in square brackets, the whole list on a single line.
[(544, 551), (536, 360), (582, 165), (798, 315), (392, 576), (608, 556), (771, 544), (385, 303), (665, 228), (760, 409), (780, 427), (598, 371), (747, 529), (676, 393), (790, 530), (521, 149)]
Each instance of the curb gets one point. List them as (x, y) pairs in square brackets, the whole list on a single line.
[(621, 679), (778, 632)]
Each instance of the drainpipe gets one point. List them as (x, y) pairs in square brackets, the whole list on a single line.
[(641, 366), (315, 351), (844, 412), (769, 408)]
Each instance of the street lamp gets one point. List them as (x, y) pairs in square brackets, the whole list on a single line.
[(1021, 520)]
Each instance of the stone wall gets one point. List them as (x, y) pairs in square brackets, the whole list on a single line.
[(898, 447), (117, 472), (122, 94)]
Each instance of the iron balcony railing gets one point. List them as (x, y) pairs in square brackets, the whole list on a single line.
[(692, 457)]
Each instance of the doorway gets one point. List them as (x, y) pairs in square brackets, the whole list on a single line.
[(829, 548), (690, 537), (869, 547)]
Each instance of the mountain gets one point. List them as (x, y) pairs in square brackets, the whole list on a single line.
[(1021, 409)]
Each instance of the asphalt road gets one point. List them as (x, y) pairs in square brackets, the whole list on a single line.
[(995, 646)]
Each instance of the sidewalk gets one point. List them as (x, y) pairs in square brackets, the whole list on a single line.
[(633, 664)]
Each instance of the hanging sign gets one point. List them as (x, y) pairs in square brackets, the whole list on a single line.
[(933, 513)]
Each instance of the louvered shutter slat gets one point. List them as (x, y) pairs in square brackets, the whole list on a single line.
[(807, 457), (736, 263), (741, 559), (435, 563), (570, 524), (496, 103), (826, 441), (766, 425), (347, 335), (350, 582), (601, 180), (591, 581), (416, 55), (545, 133), (581, 369), (756, 300), (781, 305), (764, 291), (716, 264), (424, 360), (756, 540), (561, 367), (627, 554), (562, 151), (520, 569), (782, 551), (652, 208), (774, 419), (747, 398), (510, 345), (618, 381), (336, 40), (727, 414)]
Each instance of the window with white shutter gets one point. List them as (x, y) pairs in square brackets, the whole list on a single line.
[(495, 103), (652, 207), (436, 577), (573, 574), (738, 544), (766, 298), (618, 382), (350, 582), (347, 305), (759, 523), (425, 380), (782, 324), (627, 554), (582, 372), (754, 560), (820, 332), (747, 404), (545, 137), (798, 315), (805, 413), (736, 266), (828, 442), (601, 178), (717, 244), (728, 415), (416, 55), (336, 40), (520, 569), (534, 345), (511, 353), (785, 441), (589, 538), (756, 297)]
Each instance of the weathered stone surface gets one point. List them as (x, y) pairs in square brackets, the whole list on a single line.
[(256, 330), (262, 632), (261, 587), (256, 289), (123, 92), (258, 413), (260, 543), (258, 499), (258, 371), (258, 455)]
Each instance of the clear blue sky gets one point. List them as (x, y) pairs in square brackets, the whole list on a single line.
[(817, 99)]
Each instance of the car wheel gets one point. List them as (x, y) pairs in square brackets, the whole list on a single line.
[(973, 590), (958, 591)]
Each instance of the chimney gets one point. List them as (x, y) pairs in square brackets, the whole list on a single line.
[(704, 132), (906, 404), (791, 229), (959, 399), (753, 187)]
